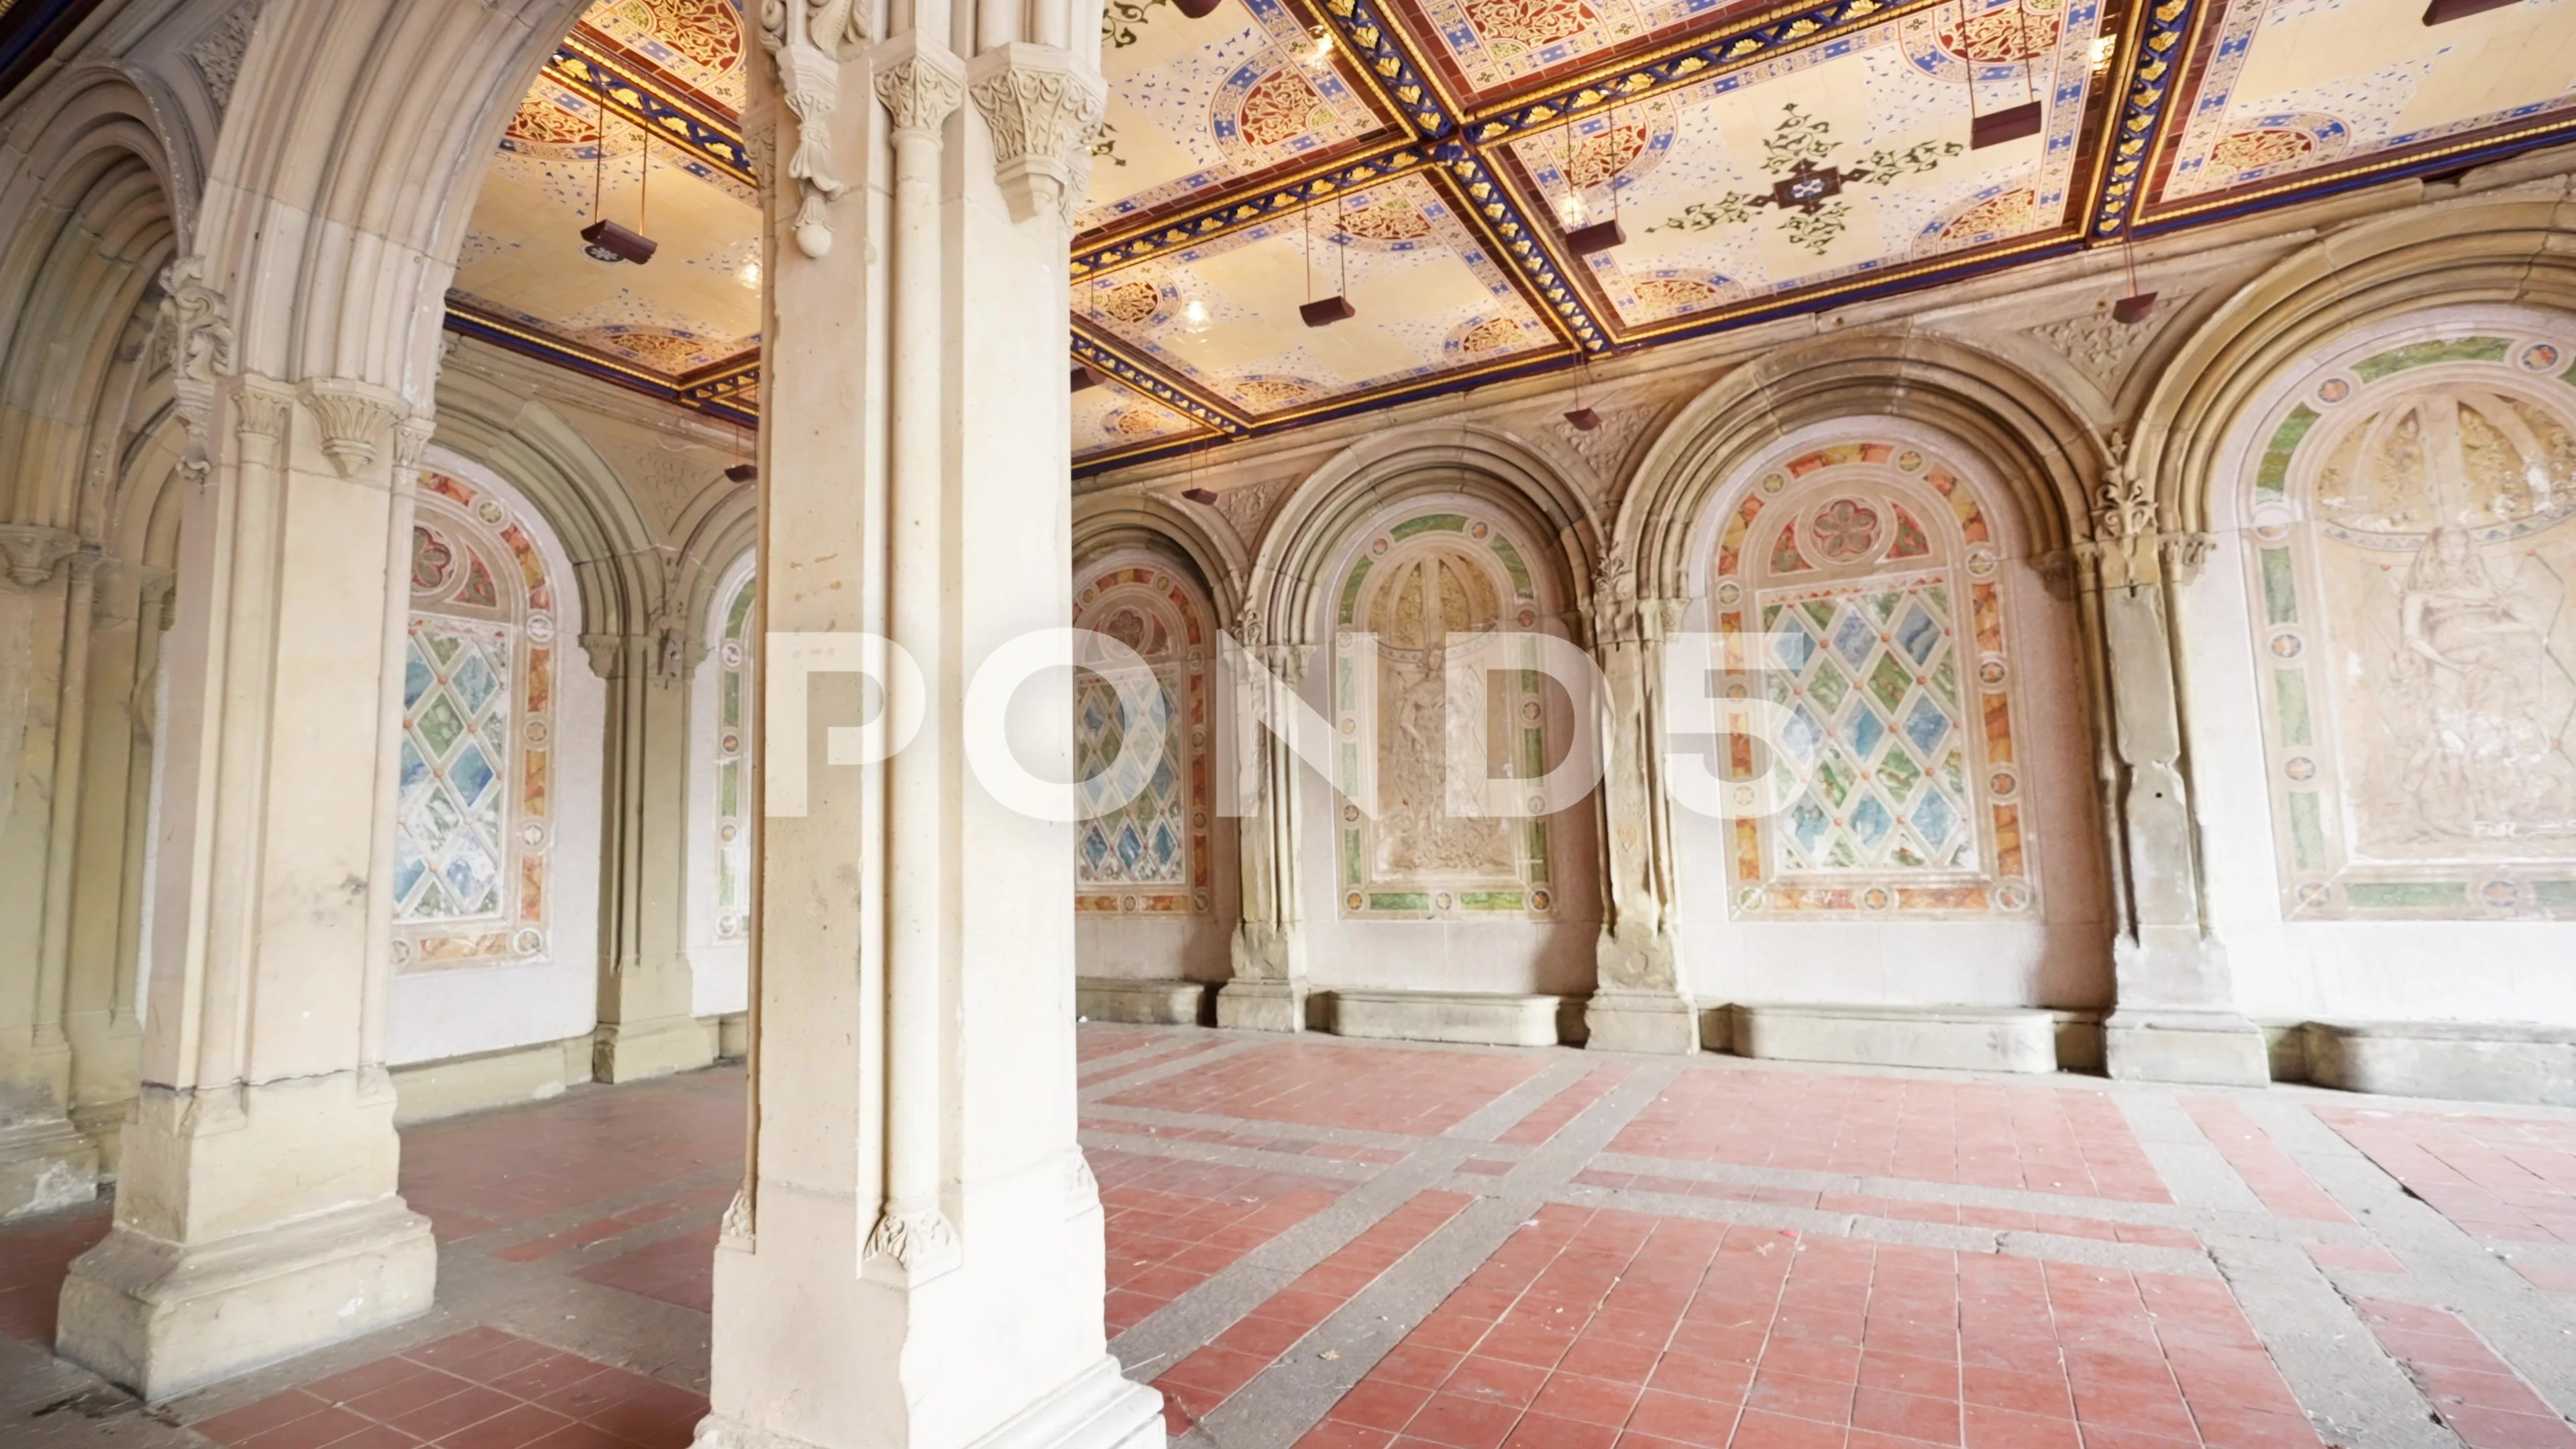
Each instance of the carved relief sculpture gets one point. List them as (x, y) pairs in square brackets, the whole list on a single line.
[(2410, 570)]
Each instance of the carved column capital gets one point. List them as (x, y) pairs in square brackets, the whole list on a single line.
[(32, 550), (920, 85), (411, 439), (354, 418), (262, 409), (1040, 111)]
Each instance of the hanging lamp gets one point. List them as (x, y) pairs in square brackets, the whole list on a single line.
[(605, 240)]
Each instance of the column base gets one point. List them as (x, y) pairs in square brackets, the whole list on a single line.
[(45, 1164), (162, 1318), (2214, 1048), (626, 1051), (1099, 1409), (1261, 1006), (1621, 1022)]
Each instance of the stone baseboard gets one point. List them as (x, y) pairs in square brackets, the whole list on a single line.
[(631, 1051), (45, 1164), (1261, 1006), (426, 1091), (2207, 1047), (733, 1036), (1985, 1039), (1640, 1023), (1099, 1409), (2465, 1061), (1156, 1001), (162, 1319), (1473, 1017)]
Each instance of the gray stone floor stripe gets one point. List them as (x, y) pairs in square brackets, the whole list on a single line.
[(1292, 1395)]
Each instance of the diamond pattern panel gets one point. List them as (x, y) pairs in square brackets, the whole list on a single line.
[(1872, 751)]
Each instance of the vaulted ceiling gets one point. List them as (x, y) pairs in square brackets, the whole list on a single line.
[(1431, 161)]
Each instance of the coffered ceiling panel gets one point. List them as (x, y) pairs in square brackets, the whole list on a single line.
[(1223, 317), (1194, 104), (1825, 164), (1480, 50), (1432, 160), (2296, 90)]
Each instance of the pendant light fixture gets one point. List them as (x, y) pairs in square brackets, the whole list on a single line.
[(1324, 312), (743, 469), (2013, 122), (2136, 307), (1600, 236), (605, 240), (1582, 417), (1197, 9)]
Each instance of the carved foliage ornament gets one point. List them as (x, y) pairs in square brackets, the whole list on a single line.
[(1042, 114), (198, 324), (809, 40)]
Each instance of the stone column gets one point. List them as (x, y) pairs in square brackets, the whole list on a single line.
[(107, 874), (1268, 989), (2174, 1017), (256, 1211), (1641, 1002), (648, 1026), (917, 1258), (45, 604)]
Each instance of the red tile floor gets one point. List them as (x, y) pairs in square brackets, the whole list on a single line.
[(1323, 1244)]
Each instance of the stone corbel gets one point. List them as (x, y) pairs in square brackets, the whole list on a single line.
[(197, 321), (1040, 112), (810, 40), (354, 418), (33, 549)]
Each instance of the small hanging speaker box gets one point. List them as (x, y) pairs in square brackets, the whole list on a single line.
[(1584, 419), (2009, 124), (1328, 311), (1197, 9), (2133, 310), (2441, 11), (1085, 376), (742, 472), (1199, 495), (1600, 236), (608, 241)]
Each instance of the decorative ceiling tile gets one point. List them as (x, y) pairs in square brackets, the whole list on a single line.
[(1195, 104), (1429, 299), (1824, 164), (2306, 86)]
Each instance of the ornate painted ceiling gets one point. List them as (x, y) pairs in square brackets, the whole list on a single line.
[(1428, 161)]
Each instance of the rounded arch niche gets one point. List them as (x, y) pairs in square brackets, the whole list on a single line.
[(1150, 856), (2408, 491), (1930, 764), (1429, 583)]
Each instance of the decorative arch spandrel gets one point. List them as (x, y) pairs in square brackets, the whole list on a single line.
[(1875, 565), (2410, 568)]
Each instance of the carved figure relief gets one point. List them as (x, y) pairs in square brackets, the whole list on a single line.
[(2410, 565), (1430, 588), (1873, 567), (1149, 856), (474, 802)]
